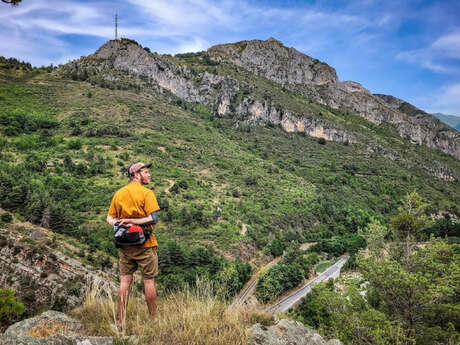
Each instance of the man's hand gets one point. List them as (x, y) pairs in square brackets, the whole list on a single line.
[(126, 222)]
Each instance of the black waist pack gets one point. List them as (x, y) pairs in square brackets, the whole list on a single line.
[(134, 235)]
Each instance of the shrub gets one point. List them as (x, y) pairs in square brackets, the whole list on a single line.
[(6, 217), (276, 247), (10, 307), (322, 141), (74, 144)]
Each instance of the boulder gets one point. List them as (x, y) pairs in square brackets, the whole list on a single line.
[(46, 324), (287, 332), (50, 328)]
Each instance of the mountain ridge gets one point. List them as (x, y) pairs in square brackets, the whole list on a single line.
[(317, 82), (451, 120)]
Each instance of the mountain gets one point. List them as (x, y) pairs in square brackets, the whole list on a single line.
[(231, 92), (451, 120)]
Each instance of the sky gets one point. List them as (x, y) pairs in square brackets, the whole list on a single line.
[(407, 48)]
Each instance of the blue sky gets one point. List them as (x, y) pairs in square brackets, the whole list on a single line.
[(409, 49)]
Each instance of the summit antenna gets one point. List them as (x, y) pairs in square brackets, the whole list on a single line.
[(116, 26)]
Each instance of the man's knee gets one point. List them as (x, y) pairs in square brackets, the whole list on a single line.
[(149, 287), (125, 282)]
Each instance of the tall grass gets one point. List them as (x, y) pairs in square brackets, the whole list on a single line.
[(191, 316)]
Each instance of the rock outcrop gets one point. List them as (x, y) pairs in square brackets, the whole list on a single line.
[(41, 273), (274, 61), (287, 332), (319, 81), (50, 328)]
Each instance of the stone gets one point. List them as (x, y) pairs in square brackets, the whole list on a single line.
[(287, 332), (55, 340), (36, 234), (44, 277), (46, 324), (50, 328)]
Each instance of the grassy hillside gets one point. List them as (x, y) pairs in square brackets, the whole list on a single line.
[(213, 179)]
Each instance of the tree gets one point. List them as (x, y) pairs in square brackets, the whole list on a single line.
[(10, 307), (421, 290), (12, 2), (347, 316), (375, 234)]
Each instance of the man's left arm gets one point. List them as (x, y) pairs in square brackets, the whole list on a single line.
[(150, 219)]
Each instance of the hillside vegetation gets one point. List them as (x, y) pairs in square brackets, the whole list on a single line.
[(404, 291)]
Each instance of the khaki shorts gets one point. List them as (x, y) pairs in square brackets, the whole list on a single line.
[(145, 258)]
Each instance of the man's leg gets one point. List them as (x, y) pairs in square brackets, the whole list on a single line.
[(123, 295), (151, 297)]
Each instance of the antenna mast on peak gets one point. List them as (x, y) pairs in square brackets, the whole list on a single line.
[(116, 26)]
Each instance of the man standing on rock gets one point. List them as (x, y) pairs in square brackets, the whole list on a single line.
[(135, 204)]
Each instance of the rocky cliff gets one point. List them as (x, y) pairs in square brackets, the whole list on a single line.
[(45, 272), (228, 81), (276, 62)]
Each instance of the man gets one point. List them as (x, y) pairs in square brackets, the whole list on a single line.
[(136, 204)]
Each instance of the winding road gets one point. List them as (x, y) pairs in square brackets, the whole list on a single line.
[(294, 298)]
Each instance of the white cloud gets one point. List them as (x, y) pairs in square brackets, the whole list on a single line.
[(194, 45), (446, 101), (436, 56), (449, 44), (193, 14)]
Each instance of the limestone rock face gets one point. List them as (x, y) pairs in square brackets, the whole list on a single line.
[(50, 328), (287, 332), (132, 58), (274, 61), (41, 275), (292, 122)]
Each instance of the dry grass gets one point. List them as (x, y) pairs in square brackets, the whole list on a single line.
[(192, 317), (47, 328)]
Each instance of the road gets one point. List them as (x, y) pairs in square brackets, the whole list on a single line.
[(294, 298)]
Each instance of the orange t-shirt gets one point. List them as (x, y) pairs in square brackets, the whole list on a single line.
[(135, 201)]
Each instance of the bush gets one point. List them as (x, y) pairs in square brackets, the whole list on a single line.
[(14, 124), (338, 245), (322, 141), (10, 307), (6, 217), (276, 247), (74, 144)]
